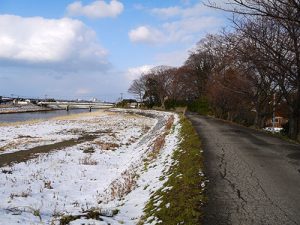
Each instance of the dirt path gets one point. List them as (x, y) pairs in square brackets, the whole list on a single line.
[(23, 156), (254, 177)]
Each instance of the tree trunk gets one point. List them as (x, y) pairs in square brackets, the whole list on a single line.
[(294, 122), (298, 135), (261, 114), (294, 128), (259, 120)]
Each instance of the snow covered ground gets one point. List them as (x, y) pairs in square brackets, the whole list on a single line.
[(112, 174)]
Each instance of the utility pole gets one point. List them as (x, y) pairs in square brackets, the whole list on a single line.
[(274, 105), (121, 96)]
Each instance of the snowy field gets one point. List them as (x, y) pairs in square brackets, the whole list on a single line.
[(92, 168)]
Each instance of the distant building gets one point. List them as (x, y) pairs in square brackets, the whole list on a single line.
[(281, 116), (23, 102), (135, 105), (279, 122)]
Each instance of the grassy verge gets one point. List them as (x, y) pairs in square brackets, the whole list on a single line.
[(180, 199), (282, 137)]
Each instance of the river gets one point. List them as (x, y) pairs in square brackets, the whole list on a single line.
[(18, 117)]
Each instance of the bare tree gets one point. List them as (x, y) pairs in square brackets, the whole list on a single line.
[(278, 50), (275, 28), (282, 10), (138, 88), (161, 78)]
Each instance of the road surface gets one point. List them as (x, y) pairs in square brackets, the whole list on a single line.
[(254, 178)]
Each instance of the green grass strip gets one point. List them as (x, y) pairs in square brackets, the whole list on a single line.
[(180, 199)]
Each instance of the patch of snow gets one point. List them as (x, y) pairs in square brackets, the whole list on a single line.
[(273, 129)]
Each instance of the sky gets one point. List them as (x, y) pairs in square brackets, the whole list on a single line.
[(94, 49)]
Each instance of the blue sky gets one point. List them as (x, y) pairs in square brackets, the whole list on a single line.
[(84, 49)]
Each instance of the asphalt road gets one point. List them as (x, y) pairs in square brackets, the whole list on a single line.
[(254, 178)]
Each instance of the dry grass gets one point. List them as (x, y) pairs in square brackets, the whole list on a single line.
[(23, 194), (18, 142), (123, 186), (87, 160), (169, 123), (80, 115), (128, 181), (159, 143), (145, 128), (25, 136), (131, 115), (89, 150), (181, 109), (93, 213), (47, 184), (27, 122), (107, 145), (160, 140)]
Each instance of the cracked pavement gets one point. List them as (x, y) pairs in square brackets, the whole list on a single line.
[(254, 178)]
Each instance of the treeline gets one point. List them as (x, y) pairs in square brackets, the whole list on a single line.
[(240, 75)]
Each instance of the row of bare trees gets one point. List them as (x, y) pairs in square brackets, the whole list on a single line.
[(238, 73)]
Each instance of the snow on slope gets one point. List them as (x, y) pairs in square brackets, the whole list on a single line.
[(107, 173)]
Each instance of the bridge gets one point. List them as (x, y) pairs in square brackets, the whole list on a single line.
[(76, 105)]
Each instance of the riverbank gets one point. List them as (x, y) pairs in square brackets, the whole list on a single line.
[(8, 109), (98, 164)]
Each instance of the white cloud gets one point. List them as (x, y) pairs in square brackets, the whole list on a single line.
[(167, 12), (182, 24), (44, 42), (184, 30), (82, 91), (96, 9), (136, 72), (138, 6), (196, 10), (173, 58), (145, 34)]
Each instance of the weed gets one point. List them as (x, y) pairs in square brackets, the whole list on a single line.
[(65, 220), (92, 213), (170, 122), (7, 171), (47, 184), (145, 128), (25, 136), (107, 145), (115, 211), (89, 150), (87, 160), (182, 203), (121, 186), (37, 213), (23, 194)]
